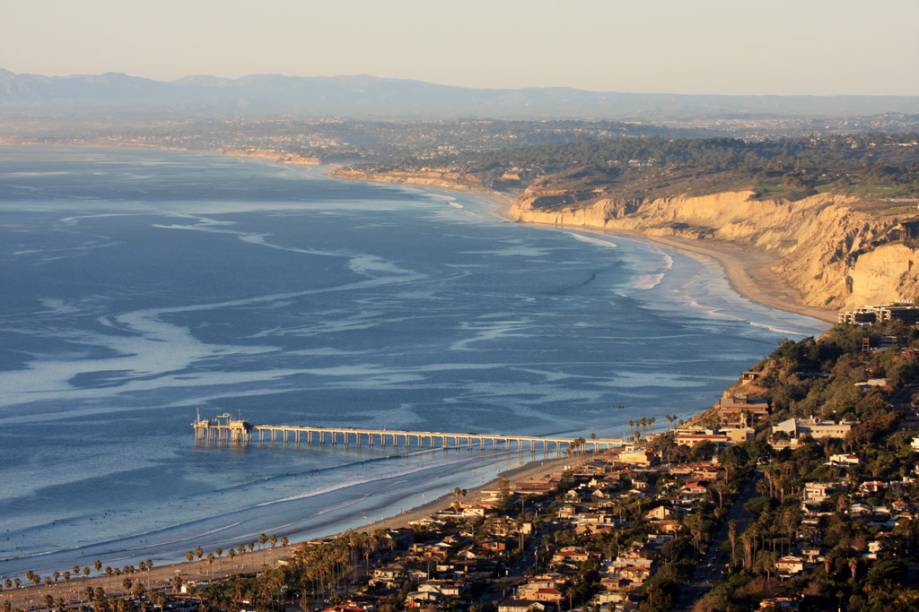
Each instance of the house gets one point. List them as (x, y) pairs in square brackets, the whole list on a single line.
[(539, 591), (872, 383), (843, 459), (666, 526), (631, 565), (783, 603), (574, 554), (634, 456), (520, 605), (795, 428), (388, 576), (348, 606), (544, 588), (534, 487), (693, 488), (818, 492), (789, 565), (658, 512), (740, 410), (423, 599), (898, 311), (725, 435), (872, 486)]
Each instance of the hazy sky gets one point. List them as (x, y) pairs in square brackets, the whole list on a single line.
[(686, 46)]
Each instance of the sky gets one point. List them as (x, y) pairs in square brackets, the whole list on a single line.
[(785, 47)]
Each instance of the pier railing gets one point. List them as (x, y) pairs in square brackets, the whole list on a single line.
[(223, 430)]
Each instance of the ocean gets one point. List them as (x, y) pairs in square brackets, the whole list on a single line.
[(138, 287)]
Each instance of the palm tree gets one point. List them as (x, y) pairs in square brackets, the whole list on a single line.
[(199, 552), (98, 565), (273, 539), (190, 555), (176, 584), (66, 576), (218, 551), (262, 538), (284, 541)]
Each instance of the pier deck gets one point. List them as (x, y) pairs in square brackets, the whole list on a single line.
[(225, 430)]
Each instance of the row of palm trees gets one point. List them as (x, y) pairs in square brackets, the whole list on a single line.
[(76, 571), (144, 566), (240, 549)]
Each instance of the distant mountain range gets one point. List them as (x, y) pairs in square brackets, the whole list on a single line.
[(369, 97)]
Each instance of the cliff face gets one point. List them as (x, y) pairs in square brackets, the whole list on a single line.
[(834, 254), (440, 179)]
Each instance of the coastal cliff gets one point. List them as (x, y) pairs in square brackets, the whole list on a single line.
[(441, 179), (833, 253), (282, 157)]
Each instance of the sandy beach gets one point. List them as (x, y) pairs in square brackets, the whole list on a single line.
[(747, 268), (248, 563)]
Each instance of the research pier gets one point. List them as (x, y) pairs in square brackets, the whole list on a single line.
[(224, 430)]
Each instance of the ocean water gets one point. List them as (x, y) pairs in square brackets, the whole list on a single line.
[(137, 287)]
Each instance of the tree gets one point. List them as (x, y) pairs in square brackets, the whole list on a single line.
[(98, 565), (732, 538), (262, 538), (458, 495), (199, 552)]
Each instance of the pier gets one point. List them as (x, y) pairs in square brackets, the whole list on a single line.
[(225, 431)]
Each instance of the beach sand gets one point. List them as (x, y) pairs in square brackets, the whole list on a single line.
[(748, 270), (250, 563)]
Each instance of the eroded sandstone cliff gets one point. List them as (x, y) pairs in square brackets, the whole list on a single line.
[(835, 254)]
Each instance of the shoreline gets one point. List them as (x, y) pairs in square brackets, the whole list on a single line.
[(252, 562), (747, 269), (744, 276)]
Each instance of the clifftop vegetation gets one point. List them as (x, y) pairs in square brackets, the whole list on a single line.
[(871, 165)]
